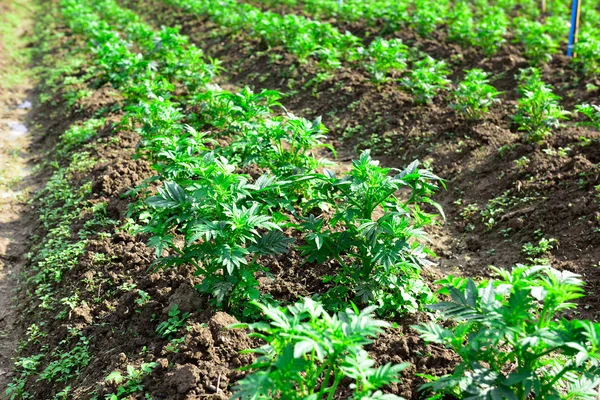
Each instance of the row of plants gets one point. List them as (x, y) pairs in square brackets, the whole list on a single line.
[(306, 38), (232, 219), (284, 147), (537, 113), (485, 25), (231, 222)]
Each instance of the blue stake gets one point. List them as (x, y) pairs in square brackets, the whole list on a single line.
[(574, 26)]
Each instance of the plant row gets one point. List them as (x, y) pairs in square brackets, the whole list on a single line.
[(537, 113), (232, 224), (486, 25)]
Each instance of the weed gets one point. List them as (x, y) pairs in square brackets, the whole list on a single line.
[(171, 326)]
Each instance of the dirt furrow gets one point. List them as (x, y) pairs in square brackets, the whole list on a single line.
[(16, 166)]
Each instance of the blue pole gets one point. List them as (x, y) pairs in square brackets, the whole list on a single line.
[(574, 26)]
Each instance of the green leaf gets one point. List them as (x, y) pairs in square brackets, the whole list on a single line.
[(303, 347)]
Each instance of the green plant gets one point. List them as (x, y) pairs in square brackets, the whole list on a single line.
[(63, 394), (308, 353), (512, 340), (24, 368), (68, 363), (460, 23), (143, 298), (490, 30), (386, 56), (426, 79), (222, 226), (380, 257), (173, 324), (543, 246), (587, 49), (428, 14), (131, 383), (591, 111), (538, 111), (539, 46), (522, 163), (474, 95)]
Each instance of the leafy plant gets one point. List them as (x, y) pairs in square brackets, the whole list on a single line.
[(427, 15), (490, 30), (460, 23), (309, 353), (474, 95), (587, 49), (386, 56), (67, 364), (538, 45), (538, 111), (380, 257), (223, 227), (543, 246), (591, 111), (426, 79), (511, 340)]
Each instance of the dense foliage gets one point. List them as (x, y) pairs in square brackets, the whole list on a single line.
[(513, 338)]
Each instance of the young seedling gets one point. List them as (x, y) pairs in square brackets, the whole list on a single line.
[(538, 111), (474, 95)]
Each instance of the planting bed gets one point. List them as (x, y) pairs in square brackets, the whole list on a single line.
[(119, 296), (361, 114)]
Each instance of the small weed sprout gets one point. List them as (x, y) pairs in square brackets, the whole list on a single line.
[(175, 322)]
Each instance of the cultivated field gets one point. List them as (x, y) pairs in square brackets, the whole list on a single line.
[(299, 199)]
